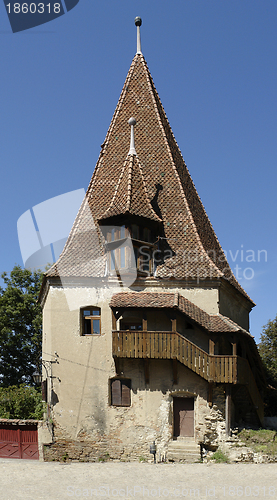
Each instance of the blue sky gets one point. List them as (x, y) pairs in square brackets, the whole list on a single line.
[(214, 66)]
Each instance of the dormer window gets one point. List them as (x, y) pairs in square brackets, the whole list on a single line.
[(117, 233), (91, 320), (120, 250)]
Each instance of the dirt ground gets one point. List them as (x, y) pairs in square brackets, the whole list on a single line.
[(24, 479)]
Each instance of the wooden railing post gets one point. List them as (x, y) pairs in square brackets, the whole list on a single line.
[(211, 346), (172, 345)]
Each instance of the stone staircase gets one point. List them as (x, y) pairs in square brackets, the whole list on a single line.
[(183, 449)]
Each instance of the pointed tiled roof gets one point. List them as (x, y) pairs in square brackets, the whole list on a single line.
[(130, 196), (197, 254)]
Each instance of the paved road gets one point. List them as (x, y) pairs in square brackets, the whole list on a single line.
[(24, 479)]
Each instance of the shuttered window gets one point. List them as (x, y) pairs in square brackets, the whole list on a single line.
[(121, 392)]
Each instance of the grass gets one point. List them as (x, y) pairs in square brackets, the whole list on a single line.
[(104, 458), (65, 457), (262, 440), (220, 457)]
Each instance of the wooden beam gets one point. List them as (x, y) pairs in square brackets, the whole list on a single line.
[(228, 404), (234, 345), (211, 346), (144, 324), (174, 324)]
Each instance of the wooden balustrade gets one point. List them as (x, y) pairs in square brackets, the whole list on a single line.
[(172, 345)]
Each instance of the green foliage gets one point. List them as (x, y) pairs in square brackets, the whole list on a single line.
[(268, 352), (262, 440), (220, 457), (22, 402), (20, 326), (268, 348)]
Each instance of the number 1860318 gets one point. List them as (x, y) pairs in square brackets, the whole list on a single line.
[(33, 8)]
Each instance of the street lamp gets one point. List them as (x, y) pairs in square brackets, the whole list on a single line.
[(37, 377)]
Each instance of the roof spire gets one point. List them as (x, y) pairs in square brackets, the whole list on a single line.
[(132, 150), (138, 23)]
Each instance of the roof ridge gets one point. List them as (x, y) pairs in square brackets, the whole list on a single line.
[(129, 183), (156, 217), (116, 189)]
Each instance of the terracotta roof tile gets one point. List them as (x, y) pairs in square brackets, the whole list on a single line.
[(197, 254), (210, 322), (130, 196)]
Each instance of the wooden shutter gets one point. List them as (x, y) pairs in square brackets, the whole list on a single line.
[(121, 392), (44, 390), (126, 392), (116, 392)]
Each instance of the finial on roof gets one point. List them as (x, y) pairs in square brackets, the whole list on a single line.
[(132, 150), (138, 23)]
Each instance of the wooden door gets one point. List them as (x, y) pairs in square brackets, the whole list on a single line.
[(183, 410)]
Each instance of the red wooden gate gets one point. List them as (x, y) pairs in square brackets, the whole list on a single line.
[(19, 441)]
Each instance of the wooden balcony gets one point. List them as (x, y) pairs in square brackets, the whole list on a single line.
[(172, 345)]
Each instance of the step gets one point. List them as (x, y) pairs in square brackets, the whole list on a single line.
[(183, 450)]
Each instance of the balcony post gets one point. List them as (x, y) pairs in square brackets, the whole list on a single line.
[(174, 324), (113, 321), (211, 346), (144, 324)]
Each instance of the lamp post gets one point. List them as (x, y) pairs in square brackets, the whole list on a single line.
[(153, 450)]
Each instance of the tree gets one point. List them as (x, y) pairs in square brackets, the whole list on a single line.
[(22, 402), (268, 353), (20, 326), (268, 348)]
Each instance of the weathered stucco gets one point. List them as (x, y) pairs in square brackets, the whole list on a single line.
[(234, 307), (85, 424)]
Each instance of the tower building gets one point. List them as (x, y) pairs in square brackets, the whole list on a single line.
[(145, 327)]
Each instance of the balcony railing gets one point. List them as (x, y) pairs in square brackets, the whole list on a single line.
[(172, 345)]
